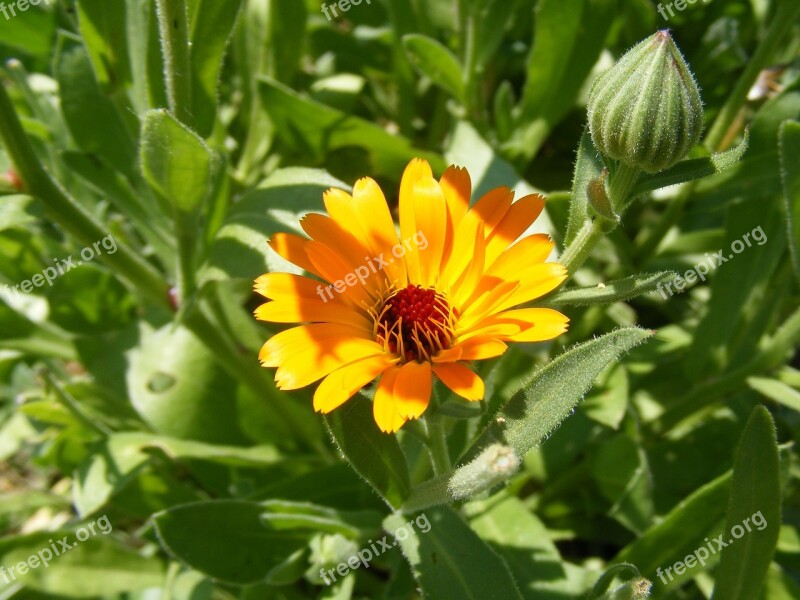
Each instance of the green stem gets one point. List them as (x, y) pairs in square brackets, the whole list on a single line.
[(440, 455), (782, 22), (580, 248), (429, 493), (173, 25), (66, 211)]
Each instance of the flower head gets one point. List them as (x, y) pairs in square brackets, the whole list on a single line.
[(410, 307)]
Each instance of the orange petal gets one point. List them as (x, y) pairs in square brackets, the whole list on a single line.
[(281, 346), (338, 387), (312, 363), (535, 282), (412, 389), (376, 221), (430, 216), (492, 207), (465, 287), (542, 323), (460, 380), (527, 252), (416, 170), (514, 223), (292, 247), (384, 408), (311, 310), (457, 189), (281, 285), (476, 348), (332, 268)]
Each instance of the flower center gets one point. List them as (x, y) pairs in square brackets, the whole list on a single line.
[(415, 323)]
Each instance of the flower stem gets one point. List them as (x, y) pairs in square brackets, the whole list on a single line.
[(440, 455), (782, 22), (580, 248)]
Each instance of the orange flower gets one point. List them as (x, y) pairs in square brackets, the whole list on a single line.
[(405, 309)]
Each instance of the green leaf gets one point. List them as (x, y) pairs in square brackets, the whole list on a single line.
[(776, 390), (318, 129), (175, 161), (534, 560), (550, 394), (211, 28), (175, 384), (588, 168), (615, 291), (31, 34), (695, 168), (450, 560), (567, 42), (682, 531), (103, 31), (435, 61), (226, 539), (375, 456), (93, 120), (789, 144), (756, 491)]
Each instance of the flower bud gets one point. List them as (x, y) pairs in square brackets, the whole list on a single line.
[(646, 111), (492, 466)]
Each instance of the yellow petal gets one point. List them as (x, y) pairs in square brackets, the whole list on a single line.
[(527, 252), (376, 221), (514, 223), (412, 389), (417, 169), (430, 216), (332, 268), (492, 207), (384, 408), (542, 323), (535, 282), (311, 310), (338, 387), (460, 380), (292, 247), (312, 363), (476, 348), (357, 257), (284, 344), (282, 285)]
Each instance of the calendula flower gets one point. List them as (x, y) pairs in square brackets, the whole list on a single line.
[(405, 309)]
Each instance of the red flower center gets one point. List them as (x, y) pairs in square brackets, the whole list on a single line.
[(415, 322)]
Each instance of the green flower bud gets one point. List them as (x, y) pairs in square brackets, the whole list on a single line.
[(646, 111)]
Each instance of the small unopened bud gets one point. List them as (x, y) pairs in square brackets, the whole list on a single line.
[(637, 589), (646, 110), (492, 466)]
